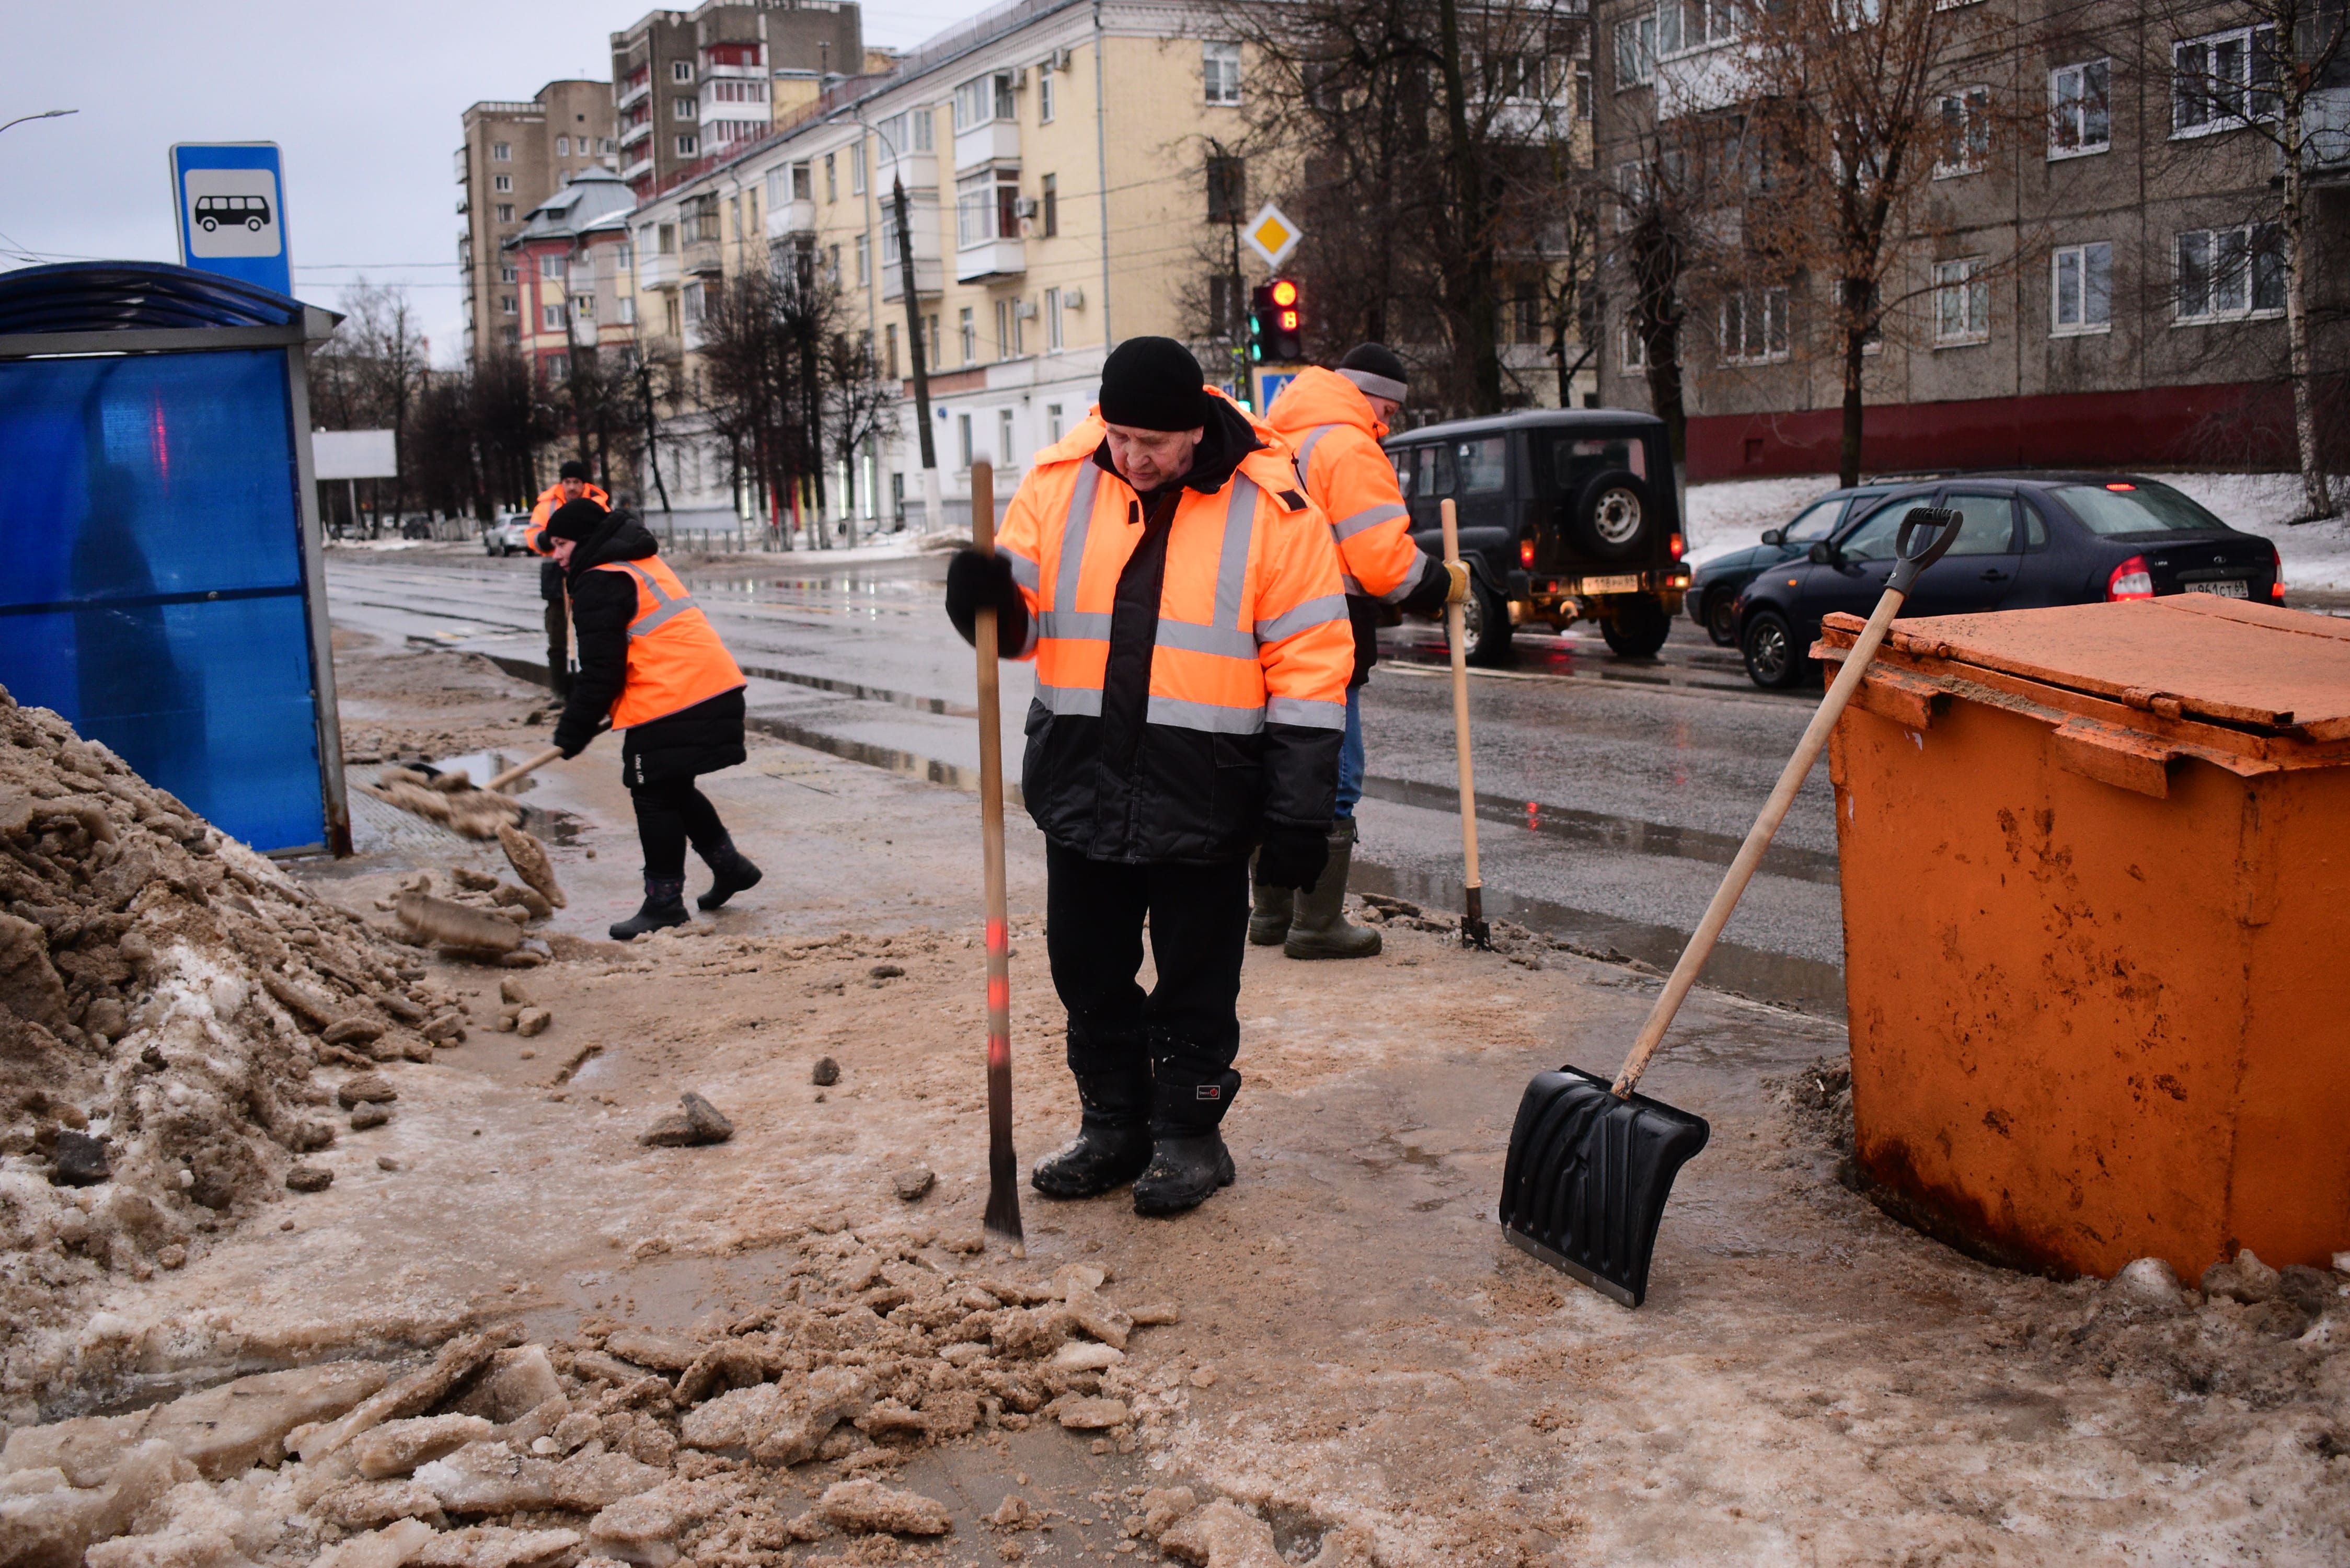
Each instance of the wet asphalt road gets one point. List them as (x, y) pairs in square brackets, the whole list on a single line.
[(1612, 794)]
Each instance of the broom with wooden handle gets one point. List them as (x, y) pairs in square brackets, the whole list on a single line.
[(1003, 1218), (1474, 932)]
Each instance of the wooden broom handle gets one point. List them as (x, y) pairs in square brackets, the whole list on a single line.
[(1456, 633), (552, 753)]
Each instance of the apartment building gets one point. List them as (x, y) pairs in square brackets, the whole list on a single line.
[(514, 155), (1054, 154), (691, 89), (576, 277), (2096, 275)]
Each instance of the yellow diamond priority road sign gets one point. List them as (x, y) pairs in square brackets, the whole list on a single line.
[(1272, 234)]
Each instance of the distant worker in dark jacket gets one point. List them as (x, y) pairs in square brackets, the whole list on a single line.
[(1335, 419), (651, 664), (570, 484), (1181, 598)]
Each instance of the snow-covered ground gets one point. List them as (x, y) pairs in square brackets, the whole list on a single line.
[(1730, 513)]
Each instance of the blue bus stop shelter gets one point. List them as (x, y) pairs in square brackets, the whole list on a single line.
[(164, 588)]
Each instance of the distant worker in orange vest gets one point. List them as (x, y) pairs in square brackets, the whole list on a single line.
[(1334, 421), (651, 664), (570, 484), (1181, 598)]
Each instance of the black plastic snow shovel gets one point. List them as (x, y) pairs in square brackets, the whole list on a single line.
[(1591, 1163)]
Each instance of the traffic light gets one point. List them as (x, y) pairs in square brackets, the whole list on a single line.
[(1276, 323)]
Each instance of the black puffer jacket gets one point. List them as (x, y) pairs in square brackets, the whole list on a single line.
[(698, 740)]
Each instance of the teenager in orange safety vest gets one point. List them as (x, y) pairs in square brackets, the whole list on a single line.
[(651, 665), (1181, 598), (570, 484), (1334, 421)]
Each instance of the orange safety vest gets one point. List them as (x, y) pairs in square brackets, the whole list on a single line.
[(675, 659), (544, 508), (1252, 618), (1349, 475)]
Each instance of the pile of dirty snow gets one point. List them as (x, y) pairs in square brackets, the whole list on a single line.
[(164, 996)]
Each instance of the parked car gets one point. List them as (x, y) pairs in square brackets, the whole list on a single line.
[(504, 536), (2028, 541), (1566, 514), (1715, 584)]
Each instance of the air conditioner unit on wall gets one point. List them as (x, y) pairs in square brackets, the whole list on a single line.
[(1024, 207), (1025, 309), (1073, 300), (1059, 61)]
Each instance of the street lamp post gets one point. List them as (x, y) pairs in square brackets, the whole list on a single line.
[(45, 114), (933, 506)]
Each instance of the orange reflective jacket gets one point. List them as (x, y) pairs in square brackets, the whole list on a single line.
[(1329, 422), (1246, 667), (675, 659), (544, 508)]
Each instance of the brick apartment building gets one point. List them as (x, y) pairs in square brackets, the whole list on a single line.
[(576, 286), (2102, 284), (514, 155)]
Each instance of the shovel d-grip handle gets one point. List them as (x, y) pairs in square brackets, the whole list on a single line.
[(1915, 549), (1912, 555)]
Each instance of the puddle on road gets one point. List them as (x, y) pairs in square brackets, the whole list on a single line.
[(1806, 985)]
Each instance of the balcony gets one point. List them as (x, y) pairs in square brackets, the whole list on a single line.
[(2325, 131), (704, 256), (927, 278), (658, 272), (989, 258), (919, 171), (758, 73), (635, 133), (463, 206), (463, 173), (637, 91), (997, 141), (791, 218), (641, 169)]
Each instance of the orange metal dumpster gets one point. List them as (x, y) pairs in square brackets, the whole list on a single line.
[(2095, 865)]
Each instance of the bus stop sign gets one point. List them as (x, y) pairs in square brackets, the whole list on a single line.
[(231, 197)]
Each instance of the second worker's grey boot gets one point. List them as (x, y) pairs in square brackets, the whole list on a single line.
[(1269, 910), (1319, 929)]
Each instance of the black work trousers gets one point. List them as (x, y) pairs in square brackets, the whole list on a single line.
[(559, 648), (670, 813), (1164, 1057)]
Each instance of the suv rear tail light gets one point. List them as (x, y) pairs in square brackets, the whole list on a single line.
[(1525, 552), (2131, 580), (2276, 574), (1678, 547)]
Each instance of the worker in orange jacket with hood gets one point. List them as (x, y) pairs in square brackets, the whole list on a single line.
[(1334, 421)]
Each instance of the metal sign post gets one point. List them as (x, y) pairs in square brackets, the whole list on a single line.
[(230, 198)]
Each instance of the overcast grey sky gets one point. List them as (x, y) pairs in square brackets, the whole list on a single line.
[(364, 99)]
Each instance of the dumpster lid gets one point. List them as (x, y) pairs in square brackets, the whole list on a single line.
[(2194, 655)]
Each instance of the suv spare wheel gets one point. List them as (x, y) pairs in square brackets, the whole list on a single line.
[(1611, 516)]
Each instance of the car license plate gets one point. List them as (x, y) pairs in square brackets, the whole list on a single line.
[(1630, 585), (2226, 587)]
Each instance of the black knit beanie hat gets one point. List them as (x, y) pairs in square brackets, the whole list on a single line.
[(575, 520), (1153, 384), (575, 469), (1376, 369)]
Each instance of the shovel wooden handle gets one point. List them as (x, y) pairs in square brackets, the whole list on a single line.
[(1473, 926), (552, 753), (1002, 1216)]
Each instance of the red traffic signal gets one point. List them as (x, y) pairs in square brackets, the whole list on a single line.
[(1277, 323)]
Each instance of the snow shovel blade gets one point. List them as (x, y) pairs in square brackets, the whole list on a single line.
[(1587, 1177)]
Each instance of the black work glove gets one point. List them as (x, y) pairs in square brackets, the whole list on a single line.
[(1430, 593), (977, 582), (1292, 856)]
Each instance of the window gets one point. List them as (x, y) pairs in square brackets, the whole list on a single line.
[(864, 263), (857, 170), (803, 183), (2081, 290), (2222, 81), (1050, 207), (1633, 349), (1007, 330), (1220, 68), (558, 367), (1052, 424), (501, 151), (667, 245), (681, 70), (1581, 92), (686, 146), (1227, 189), (507, 305), (1816, 522), (1754, 327), (1986, 524), (1052, 329), (562, 147), (904, 134), (1483, 465), (1966, 132), (672, 314), (510, 336), (983, 99), (986, 207), (551, 266), (550, 318), (2080, 113), (610, 145), (962, 435), (889, 349), (509, 274), (583, 306), (624, 256), (1636, 51), (628, 311), (681, 108), (1045, 95), (832, 264), (831, 178), (501, 182), (505, 212), (734, 215), (970, 357), (692, 293), (1962, 302), (1694, 24), (2230, 273), (1004, 437), (932, 344)]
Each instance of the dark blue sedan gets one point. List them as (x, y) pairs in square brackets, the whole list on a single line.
[(2026, 541), (1715, 586)]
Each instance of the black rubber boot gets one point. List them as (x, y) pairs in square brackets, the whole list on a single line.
[(1191, 1092), (731, 872), (1320, 929), (1184, 1171), (1113, 1141), (1269, 910), (664, 906)]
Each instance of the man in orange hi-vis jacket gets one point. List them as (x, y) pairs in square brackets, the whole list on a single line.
[(1334, 421), (1180, 597)]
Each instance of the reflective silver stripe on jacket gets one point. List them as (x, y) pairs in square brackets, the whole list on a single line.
[(1085, 700), (1306, 454), (1024, 570), (1073, 541), (664, 607), (1305, 712), (1368, 518), (1074, 625), (1178, 714), (1313, 612)]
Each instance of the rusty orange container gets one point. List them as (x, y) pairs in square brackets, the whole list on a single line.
[(2096, 864)]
